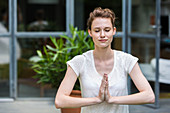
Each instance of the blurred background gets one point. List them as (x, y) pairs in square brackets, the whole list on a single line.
[(25, 26)]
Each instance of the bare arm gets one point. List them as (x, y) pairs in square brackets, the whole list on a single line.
[(145, 94), (63, 100)]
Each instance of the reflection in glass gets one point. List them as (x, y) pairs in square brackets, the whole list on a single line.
[(84, 7), (143, 16), (144, 49), (117, 43), (27, 84), (4, 50), (37, 15), (3, 16), (4, 67)]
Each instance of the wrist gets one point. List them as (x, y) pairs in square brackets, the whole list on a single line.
[(111, 100), (98, 100)]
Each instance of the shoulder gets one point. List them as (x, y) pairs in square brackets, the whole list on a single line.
[(81, 58), (126, 60), (87, 54), (120, 55), (77, 63), (123, 55), (118, 52)]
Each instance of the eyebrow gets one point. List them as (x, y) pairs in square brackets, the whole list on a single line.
[(104, 28), (107, 27)]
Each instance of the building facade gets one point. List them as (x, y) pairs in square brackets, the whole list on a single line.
[(25, 26)]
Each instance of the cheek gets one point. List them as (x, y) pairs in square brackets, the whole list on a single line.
[(110, 36), (95, 35), (94, 39)]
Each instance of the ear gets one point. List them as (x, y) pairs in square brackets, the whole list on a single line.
[(89, 31), (114, 30)]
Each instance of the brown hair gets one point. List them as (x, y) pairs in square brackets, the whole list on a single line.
[(103, 13)]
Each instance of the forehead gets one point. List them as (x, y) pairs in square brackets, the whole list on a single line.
[(101, 22)]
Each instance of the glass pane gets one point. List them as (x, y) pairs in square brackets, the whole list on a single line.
[(165, 18), (143, 16), (84, 7), (27, 84), (4, 50), (144, 49), (4, 67), (4, 16), (41, 15), (117, 43)]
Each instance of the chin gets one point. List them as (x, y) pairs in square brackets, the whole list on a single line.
[(104, 46)]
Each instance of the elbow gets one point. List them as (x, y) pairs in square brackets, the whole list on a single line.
[(151, 98), (58, 103)]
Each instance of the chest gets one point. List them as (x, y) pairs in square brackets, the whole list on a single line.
[(104, 66)]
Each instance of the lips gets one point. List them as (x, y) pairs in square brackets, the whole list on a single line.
[(103, 40)]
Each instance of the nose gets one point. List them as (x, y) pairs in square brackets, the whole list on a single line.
[(102, 34)]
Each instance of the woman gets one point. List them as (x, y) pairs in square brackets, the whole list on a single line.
[(103, 73)]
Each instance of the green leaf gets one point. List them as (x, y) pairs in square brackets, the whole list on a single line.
[(39, 53), (68, 48), (54, 41), (39, 72), (45, 50), (74, 33), (55, 57), (60, 51), (61, 43), (51, 48), (35, 66), (65, 37)]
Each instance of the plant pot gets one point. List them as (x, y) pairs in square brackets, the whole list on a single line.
[(74, 93)]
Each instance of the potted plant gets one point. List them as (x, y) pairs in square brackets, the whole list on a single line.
[(51, 66)]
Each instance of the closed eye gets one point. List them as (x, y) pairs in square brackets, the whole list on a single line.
[(107, 30), (97, 30)]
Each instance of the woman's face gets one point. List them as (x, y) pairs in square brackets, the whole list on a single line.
[(102, 32)]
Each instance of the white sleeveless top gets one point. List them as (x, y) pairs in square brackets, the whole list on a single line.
[(90, 80)]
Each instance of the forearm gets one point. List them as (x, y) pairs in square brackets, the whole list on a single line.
[(71, 102), (138, 98)]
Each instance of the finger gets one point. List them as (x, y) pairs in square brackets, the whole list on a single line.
[(105, 94), (107, 83), (103, 83), (102, 86), (106, 76), (104, 80)]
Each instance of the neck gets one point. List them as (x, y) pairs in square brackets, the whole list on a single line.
[(103, 53)]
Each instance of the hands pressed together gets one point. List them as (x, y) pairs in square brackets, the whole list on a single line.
[(104, 94)]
